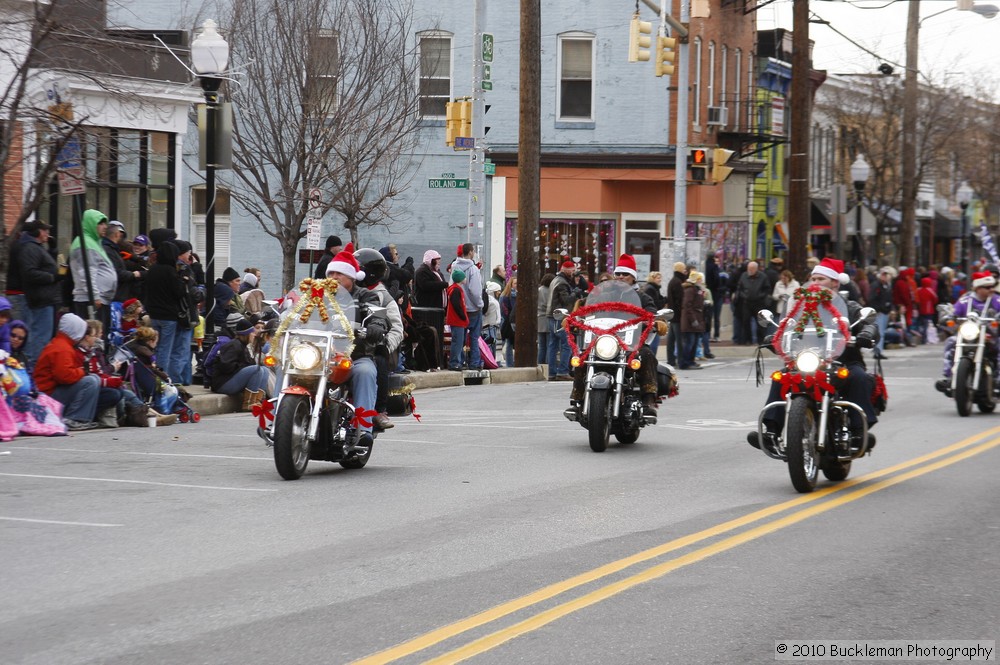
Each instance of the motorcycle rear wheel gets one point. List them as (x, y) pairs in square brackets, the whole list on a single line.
[(628, 436), (800, 442), (964, 378), (986, 402), (291, 429), (599, 420), (358, 461)]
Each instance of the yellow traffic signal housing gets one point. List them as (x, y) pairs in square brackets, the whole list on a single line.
[(453, 122), (698, 161), (665, 55), (465, 114), (719, 169), (639, 39)]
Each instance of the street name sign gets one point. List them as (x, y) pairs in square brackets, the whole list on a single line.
[(465, 143), (448, 183)]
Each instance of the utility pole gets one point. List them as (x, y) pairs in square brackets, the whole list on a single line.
[(907, 253), (528, 184), (679, 227), (798, 162), (477, 177)]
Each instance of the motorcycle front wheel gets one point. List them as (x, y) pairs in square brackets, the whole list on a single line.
[(800, 442), (964, 378), (291, 443), (599, 420)]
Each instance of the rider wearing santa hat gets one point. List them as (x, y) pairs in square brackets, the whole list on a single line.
[(983, 301), (625, 271), (858, 385), (344, 268)]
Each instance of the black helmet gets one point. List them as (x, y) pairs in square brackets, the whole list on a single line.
[(992, 269), (374, 266)]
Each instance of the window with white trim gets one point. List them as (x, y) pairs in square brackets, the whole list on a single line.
[(435, 73), (575, 93), (711, 73), (723, 78), (323, 70), (696, 84), (737, 69), (199, 206)]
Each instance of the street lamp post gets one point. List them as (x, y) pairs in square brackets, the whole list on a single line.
[(859, 176), (964, 196), (210, 57)]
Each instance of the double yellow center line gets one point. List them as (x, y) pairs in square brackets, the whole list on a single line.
[(925, 464)]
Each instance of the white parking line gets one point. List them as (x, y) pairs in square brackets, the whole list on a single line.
[(25, 519), (141, 482)]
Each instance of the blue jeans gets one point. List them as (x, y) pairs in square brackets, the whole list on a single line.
[(41, 325), (363, 386), (686, 358), (882, 320), (18, 307), (167, 331), (79, 399), (717, 312), (474, 333), (456, 355), (251, 377), (508, 352), (706, 337), (180, 355), (543, 347), (558, 349)]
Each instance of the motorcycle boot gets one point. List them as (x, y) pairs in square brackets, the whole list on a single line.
[(572, 414), (943, 386), (770, 438), (649, 408), (856, 441)]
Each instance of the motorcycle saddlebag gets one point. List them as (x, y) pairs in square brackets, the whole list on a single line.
[(400, 394), (666, 382)]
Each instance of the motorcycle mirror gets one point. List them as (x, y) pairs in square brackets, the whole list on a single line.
[(765, 318), (666, 314)]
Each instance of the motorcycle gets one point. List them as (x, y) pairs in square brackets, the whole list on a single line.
[(313, 417), (612, 327), (817, 435), (973, 368)]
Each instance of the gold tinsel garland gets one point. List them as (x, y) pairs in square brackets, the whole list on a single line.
[(317, 292)]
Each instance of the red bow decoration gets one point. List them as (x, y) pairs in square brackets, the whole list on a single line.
[(802, 383), (362, 417), (263, 412), (576, 320), (413, 408)]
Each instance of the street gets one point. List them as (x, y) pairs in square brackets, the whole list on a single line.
[(489, 530)]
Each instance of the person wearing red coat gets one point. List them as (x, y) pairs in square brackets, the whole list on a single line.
[(927, 300), (904, 297), (456, 317), (60, 373)]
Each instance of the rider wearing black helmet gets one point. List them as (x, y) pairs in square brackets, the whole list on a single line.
[(375, 268)]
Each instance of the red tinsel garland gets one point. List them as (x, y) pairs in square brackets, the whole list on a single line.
[(794, 382), (576, 320), (808, 300)]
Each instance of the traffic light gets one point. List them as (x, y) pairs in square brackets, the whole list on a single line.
[(639, 39), (453, 122), (665, 55), (719, 169), (698, 162)]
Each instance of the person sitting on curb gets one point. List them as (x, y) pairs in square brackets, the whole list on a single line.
[(59, 373), (236, 373)]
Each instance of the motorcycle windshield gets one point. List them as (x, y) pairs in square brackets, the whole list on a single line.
[(613, 292), (337, 324), (825, 339)]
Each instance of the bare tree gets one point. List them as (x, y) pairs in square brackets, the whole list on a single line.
[(870, 117), (327, 99), (977, 154), (31, 133)]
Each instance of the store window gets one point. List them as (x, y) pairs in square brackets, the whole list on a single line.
[(576, 78)]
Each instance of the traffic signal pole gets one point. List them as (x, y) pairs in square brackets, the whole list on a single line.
[(477, 176), (679, 227)]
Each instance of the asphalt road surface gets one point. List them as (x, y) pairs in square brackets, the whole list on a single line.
[(489, 531)]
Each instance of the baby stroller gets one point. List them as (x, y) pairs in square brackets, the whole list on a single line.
[(159, 393)]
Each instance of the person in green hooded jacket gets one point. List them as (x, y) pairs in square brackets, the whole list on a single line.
[(103, 276)]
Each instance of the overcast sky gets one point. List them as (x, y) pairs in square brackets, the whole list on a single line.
[(961, 42)]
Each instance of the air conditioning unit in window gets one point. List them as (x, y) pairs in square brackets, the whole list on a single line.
[(718, 116)]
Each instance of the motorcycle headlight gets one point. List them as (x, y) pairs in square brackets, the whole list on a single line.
[(606, 347), (305, 357), (969, 331), (807, 362)]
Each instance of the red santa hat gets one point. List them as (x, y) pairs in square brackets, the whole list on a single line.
[(626, 265), (568, 263), (982, 279), (345, 263), (832, 268)]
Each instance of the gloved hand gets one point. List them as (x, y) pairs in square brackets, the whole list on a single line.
[(661, 327), (111, 381), (769, 340), (864, 340), (375, 331)]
